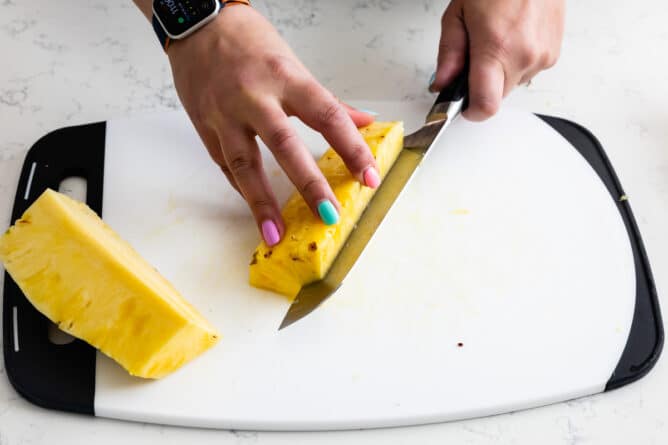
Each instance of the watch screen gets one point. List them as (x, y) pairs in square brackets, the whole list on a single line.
[(178, 16)]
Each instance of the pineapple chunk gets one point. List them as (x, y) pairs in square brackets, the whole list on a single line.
[(309, 247), (79, 273)]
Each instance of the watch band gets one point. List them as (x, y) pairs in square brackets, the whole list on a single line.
[(164, 39)]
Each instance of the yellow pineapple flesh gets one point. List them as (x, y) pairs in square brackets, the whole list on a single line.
[(79, 273), (309, 247)]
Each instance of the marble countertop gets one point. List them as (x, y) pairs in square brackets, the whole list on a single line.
[(69, 62)]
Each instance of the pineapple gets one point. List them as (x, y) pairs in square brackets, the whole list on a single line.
[(79, 273), (309, 247)]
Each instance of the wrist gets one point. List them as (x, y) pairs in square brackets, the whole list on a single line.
[(176, 20), (145, 6), (222, 32)]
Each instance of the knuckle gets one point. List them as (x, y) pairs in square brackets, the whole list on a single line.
[(331, 115), (244, 81), (281, 140), (497, 45), (242, 164), (260, 202), (280, 67), (245, 75), (311, 186), (359, 154), (529, 55)]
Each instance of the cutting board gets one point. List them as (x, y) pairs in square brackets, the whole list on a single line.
[(509, 274)]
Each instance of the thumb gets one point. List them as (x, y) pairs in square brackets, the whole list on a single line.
[(452, 47)]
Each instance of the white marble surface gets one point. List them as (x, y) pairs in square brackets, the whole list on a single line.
[(67, 62)]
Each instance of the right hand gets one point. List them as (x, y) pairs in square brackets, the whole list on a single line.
[(508, 42), (237, 78)]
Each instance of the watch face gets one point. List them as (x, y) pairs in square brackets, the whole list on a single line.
[(178, 16)]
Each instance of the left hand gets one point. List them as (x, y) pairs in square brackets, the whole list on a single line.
[(508, 43)]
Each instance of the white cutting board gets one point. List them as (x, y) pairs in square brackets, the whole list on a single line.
[(505, 241)]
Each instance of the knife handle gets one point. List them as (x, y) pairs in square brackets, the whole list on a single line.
[(458, 89), (452, 99)]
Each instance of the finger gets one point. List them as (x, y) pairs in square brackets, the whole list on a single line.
[(242, 155), (452, 47), (213, 146), (275, 130), (521, 76), (528, 77), (486, 85), (511, 80), (360, 118), (543, 62), (320, 110), (522, 64)]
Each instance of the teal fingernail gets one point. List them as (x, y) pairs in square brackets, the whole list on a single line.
[(328, 212), (371, 112), (432, 78)]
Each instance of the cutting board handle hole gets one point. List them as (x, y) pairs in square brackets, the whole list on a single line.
[(58, 337), (75, 187)]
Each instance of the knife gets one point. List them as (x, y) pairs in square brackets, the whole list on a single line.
[(450, 102)]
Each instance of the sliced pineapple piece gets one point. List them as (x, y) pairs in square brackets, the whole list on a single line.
[(79, 273), (309, 247)]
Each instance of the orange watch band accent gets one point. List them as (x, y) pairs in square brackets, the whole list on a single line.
[(236, 2)]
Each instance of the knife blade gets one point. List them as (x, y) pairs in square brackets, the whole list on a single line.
[(447, 107)]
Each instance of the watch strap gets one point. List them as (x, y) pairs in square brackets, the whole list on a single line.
[(164, 39)]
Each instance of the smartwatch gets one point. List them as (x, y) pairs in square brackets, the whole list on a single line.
[(177, 19)]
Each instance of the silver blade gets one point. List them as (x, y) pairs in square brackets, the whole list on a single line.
[(416, 146)]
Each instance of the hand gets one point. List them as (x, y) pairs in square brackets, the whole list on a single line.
[(237, 78), (508, 43)]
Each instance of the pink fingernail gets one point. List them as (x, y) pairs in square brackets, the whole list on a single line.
[(270, 233), (371, 178)]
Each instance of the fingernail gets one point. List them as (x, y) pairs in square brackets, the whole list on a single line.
[(371, 178), (328, 212), (371, 112), (270, 233), (432, 78)]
